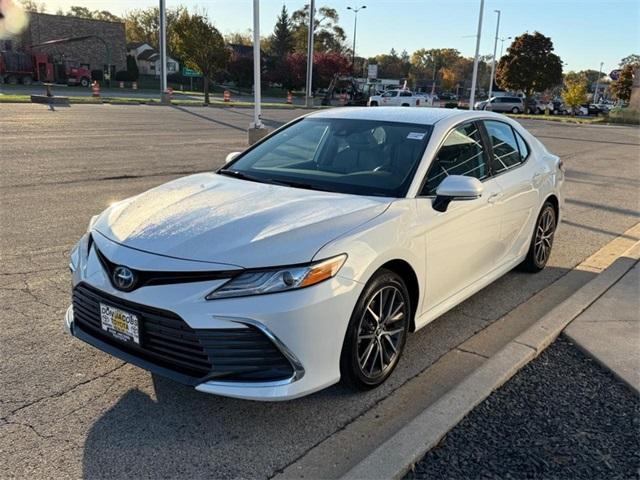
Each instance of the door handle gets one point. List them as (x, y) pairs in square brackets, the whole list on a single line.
[(494, 197)]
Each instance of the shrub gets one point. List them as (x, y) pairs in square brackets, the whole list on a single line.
[(451, 105), (123, 76), (627, 116)]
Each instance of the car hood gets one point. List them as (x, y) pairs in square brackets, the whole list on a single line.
[(214, 218)]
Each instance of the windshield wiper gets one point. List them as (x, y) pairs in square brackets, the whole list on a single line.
[(242, 176), (284, 183)]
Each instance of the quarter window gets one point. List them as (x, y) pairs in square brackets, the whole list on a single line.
[(506, 154), (522, 145), (461, 153)]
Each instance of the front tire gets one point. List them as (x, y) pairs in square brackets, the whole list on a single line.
[(515, 110), (541, 241), (377, 332), (373, 104)]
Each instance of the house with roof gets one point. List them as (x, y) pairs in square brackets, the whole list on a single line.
[(148, 59)]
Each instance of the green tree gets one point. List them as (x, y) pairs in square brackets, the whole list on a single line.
[(621, 88), (530, 65), (132, 68), (282, 39), (201, 46), (328, 35), (574, 93)]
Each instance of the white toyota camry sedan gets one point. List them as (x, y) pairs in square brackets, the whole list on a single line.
[(311, 256)]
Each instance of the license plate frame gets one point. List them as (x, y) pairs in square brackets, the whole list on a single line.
[(120, 324)]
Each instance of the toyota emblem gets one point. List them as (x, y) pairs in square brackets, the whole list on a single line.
[(123, 278)]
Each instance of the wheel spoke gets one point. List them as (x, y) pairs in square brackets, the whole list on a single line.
[(390, 342), (392, 332), (380, 350), (366, 354), (373, 314)]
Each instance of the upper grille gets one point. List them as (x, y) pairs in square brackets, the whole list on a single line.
[(241, 354)]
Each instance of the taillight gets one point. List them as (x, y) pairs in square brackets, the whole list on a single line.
[(418, 102)]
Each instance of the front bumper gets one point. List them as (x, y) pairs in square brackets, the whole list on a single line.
[(306, 326)]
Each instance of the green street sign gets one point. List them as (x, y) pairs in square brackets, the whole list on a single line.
[(187, 72)]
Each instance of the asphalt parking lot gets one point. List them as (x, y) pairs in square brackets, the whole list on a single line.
[(69, 410)]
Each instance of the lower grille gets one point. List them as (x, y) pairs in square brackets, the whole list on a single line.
[(243, 354)]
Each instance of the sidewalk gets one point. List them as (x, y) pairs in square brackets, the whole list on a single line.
[(609, 330), (562, 385)]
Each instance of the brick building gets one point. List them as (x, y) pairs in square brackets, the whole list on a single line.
[(91, 52)]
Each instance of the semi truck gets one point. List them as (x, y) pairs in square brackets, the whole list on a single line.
[(25, 68)]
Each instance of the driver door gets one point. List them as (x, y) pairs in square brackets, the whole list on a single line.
[(462, 243)]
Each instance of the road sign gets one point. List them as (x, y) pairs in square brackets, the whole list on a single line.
[(187, 72), (615, 74), (372, 71)]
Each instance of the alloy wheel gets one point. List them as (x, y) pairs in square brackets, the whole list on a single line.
[(381, 331), (544, 237)]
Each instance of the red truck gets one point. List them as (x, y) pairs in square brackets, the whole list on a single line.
[(25, 68)]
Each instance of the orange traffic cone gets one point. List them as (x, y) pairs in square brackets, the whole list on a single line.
[(227, 96)]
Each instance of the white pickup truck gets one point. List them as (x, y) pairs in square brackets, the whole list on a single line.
[(398, 98)]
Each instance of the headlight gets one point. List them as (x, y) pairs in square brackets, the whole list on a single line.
[(279, 279)]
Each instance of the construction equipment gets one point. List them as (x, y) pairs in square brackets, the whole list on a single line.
[(22, 67), (349, 91)]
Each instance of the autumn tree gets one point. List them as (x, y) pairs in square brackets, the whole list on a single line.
[(201, 46), (144, 26), (574, 93), (621, 88), (529, 65), (84, 12)]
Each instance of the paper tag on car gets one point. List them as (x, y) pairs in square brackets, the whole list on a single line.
[(415, 136)]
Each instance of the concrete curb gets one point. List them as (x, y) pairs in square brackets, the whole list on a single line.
[(395, 457)]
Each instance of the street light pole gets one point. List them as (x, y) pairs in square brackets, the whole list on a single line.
[(495, 48), (474, 77), (502, 44), (257, 114), (355, 29), (163, 53), (595, 94), (308, 98)]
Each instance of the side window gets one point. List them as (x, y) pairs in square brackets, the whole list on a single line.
[(405, 93), (522, 145), (389, 94), (506, 154), (461, 153)]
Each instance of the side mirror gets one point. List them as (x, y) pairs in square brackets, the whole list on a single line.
[(456, 187), (231, 156)]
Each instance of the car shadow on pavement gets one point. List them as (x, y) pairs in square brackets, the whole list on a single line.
[(172, 430)]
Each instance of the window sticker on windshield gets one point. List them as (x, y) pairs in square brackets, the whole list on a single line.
[(415, 136)]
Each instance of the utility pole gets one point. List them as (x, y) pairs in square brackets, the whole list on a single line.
[(474, 77), (595, 94), (495, 48), (164, 98), (355, 27), (257, 114), (308, 94)]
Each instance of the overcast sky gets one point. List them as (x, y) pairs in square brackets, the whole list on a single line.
[(584, 33)]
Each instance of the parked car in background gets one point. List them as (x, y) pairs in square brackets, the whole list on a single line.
[(502, 104), (398, 98), (311, 256)]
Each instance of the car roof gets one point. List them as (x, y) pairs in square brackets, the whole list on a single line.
[(419, 115)]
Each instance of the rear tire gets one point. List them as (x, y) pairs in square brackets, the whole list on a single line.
[(541, 240), (12, 80), (515, 110), (84, 82), (406, 105), (377, 332), (27, 80), (373, 104)]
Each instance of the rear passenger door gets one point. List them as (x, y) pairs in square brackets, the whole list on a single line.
[(518, 181)]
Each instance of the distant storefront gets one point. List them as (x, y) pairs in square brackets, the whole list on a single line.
[(106, 44)]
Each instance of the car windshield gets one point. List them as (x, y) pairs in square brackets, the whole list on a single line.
[(360, 157)]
